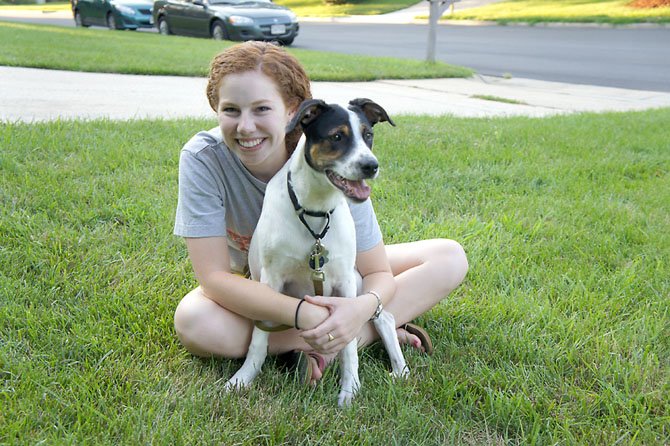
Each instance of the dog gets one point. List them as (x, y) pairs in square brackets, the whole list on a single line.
[(305, 210)]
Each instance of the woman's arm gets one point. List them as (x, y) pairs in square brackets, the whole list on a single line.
[(347, 316), (375, 269), (211, 263)]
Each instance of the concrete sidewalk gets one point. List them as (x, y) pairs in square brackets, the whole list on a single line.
[(28, 95)]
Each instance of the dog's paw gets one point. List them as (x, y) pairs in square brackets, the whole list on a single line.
[(345, 399), (234, 384), (400, 373), (230, 386)]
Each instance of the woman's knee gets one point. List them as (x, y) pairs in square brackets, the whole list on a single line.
[(202, 328), (450, 258), (188, 317), (189, 313)]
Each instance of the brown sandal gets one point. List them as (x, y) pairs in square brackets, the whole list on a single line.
[(305, 367), (421, 334)]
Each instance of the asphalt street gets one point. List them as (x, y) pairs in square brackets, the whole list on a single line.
[(635, 57), (614, 57)]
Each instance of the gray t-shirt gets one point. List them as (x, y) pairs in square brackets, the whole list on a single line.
[(218, 197)]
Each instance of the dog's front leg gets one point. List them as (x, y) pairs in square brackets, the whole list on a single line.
[(385, 325), (349, 381), (258, 351)]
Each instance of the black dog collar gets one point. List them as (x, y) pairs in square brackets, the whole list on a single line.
[(302, 212)]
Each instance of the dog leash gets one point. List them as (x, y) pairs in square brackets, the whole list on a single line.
[(318, 255)]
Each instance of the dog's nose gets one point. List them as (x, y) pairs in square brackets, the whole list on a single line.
[(370, 168)]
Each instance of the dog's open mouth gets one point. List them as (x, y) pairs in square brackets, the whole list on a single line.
[(355, 189)]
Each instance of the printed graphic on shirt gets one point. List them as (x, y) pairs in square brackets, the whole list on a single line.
[(242, 241)]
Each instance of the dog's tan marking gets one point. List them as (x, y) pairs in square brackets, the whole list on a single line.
[(323, 155), (341, 129)]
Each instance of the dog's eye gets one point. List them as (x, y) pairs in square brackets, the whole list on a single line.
[(368, 135), (336, 137)]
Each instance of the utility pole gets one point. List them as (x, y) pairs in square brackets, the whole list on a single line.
[(437, 8)]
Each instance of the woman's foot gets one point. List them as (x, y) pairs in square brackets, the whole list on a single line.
[(416, 337), (310, 367)]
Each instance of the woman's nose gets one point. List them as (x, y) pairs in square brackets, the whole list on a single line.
[(246, 123)]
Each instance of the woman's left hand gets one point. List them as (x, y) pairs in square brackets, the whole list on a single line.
[(347, 317)]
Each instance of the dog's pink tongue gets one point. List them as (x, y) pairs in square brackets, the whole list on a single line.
[(358, 190), (354, 189)]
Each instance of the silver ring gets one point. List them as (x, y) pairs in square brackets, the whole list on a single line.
[(330, 337)]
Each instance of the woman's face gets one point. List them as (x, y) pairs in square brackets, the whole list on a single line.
[(252, 117)]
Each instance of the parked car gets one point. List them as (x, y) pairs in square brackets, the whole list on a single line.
[(115, 14), (227, 19)]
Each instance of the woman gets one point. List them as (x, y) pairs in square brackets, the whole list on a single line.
[(255, 88)]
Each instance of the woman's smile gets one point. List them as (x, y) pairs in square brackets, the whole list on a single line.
[(250, 143)]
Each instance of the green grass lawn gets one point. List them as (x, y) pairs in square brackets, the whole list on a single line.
[(538, 11), (560, 334), (99, 50)]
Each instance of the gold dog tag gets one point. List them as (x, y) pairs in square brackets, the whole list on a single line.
[(318, 257)]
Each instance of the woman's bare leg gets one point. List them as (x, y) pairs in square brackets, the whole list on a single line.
[(426, 272)]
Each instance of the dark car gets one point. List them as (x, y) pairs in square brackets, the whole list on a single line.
[(227, 19), (115, 14)]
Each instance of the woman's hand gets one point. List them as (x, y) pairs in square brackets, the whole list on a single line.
[(347, 317)]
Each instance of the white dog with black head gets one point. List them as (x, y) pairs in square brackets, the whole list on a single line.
[(305, 209)]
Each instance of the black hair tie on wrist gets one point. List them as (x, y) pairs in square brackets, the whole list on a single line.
[(296, 313)]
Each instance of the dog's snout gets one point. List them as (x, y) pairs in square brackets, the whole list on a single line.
[(370, 167)]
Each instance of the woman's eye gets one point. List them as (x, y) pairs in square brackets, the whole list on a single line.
[(229, 110), (263, 108)]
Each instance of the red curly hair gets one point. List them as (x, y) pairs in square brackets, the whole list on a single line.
[(274, 62)]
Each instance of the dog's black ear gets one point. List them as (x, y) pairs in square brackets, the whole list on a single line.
[(307, 112), (373, 111)]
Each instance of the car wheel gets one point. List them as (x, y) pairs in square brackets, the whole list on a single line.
[(287, 42), (163, 26), (78, 21), (219, 31), (111, 21)]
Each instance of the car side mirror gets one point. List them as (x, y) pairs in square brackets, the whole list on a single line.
[(199, 3)]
